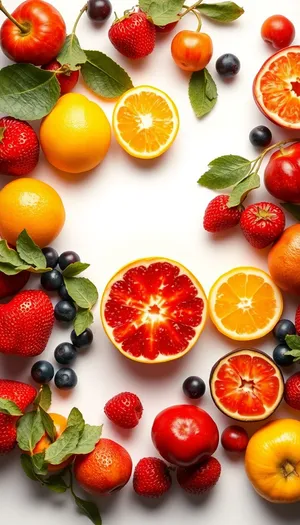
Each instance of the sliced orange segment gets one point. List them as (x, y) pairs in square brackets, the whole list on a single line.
[(245, 304), (145, 122)]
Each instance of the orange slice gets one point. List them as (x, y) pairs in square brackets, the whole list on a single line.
[(245, 304), (145, 122)]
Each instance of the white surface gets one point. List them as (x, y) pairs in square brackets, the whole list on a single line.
[(128, 209)]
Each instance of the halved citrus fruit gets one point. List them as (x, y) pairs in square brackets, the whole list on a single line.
[(245, 304), (276, 88), (246, 385), (153, 310), (145, 122)]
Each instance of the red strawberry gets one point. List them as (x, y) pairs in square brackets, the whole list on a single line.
[(133, 35), (22, 395), (26, 323), (218, 217), (199, 478), (292, 391), (19, 147), (262, 223), (125, 410), (12, 284), (297, 320), (151, 478)]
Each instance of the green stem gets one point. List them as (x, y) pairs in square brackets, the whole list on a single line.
[(22, 28), (83, 10), (191, 8), (258, 161)]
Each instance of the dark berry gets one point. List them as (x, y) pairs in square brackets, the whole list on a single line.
[(228, 65), (51, 256), (64, 311), (260, 136), (51, 281), (83, 340), (63, 293), (280, 357), (42, 372), (67, 258), (65, 353), (283, 328), (65, 378), (193, 387), (99, 10)]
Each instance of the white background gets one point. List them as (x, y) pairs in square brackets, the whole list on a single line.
[(126, 209)]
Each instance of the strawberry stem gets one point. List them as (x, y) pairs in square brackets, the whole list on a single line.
[(23, 28), (83, 10)]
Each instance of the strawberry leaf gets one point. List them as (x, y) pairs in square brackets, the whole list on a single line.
[(43, 398), (225, 171), (71, 53), (202, 93), (39, 465), (8, 269), (76, 419), (162, 12), (29, 252), (9, 408), (221, 12), (88, 439), (8, 255), (63, 447), (48, 424), (241, 189), (104, 76), (27, 466), (30, 429)]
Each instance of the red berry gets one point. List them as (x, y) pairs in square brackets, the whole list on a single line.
[(125, 410), (218, 217), (297, 320), (292, 391), (199, 478), (234, 438), (67, 81), (151, 478), (278, 31), (262, 223), (19, 147), (133, 36), (12, 284)]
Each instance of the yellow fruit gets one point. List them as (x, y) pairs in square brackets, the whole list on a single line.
[(145, 122), (32, 205), (75, 136), (272, 461)]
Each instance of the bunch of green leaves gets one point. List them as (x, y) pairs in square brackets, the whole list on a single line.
[(293, 342)]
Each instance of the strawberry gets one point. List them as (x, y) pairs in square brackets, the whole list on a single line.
[(125, 410), (11, 284), (133, 35), (26, 323), (297, 320), (218, 217), (151, 478), (292, 391), (262, 223), (19, 147), (22, 395), (201, 477)]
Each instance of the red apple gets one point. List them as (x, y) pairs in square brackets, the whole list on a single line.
[(282, 174), (12, 284), (67, 81)]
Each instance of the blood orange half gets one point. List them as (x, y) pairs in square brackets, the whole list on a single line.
[(276, 88), (153, 310), (246, 385)]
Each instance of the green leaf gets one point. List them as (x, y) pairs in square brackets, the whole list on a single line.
[(56, 484), (89, 509), (83, 319), (241, 189), (294, 353), (29, 251), (293, 341), (89, 439), (8, 269), (27, 466), (48, 424), (293, 209), (27, 92), (44, 398), (225, 171), (82, 291), (63, 447), (30, 429), (76, 419), (162, 12), (202, 93), (9, 407), (8, 255), (39, 465), (222, 12), (104, 76), (71, 53), (75, 269)]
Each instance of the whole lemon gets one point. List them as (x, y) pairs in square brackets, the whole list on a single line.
[(76, 135)]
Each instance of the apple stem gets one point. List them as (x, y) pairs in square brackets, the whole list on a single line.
[(258, 161), (22, 28), (83, 10), (192, 9)]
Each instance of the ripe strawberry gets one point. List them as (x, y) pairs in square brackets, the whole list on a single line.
[(297, 320), (151, 478), (218, 217), (22, 395), (133, 35), (26, 323), (262, 223), (19, 147), (199, 478), (12, 284), (292, 391), (125, 410)]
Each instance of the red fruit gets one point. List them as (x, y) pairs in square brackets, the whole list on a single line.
[(292, 391), (234, 438), (125, 410), (12, 284), (26, 323), (151, 478), (191, 50), (218, 217), (185, 435), (167, 28), (278, 31), (200, 478), (282, 174), (42, 37), (19, 147), (67, 81), (133, 35), (262, 223), (297, 320)]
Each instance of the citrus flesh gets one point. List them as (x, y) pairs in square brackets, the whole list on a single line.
[(153, 310)]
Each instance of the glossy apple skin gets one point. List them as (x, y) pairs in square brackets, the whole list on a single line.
[(185, 435), (43, 40), (282, 174)]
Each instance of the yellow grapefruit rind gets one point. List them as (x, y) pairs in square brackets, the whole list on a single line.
[(146, 262)]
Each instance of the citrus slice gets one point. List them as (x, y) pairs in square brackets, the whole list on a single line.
[(245, 304), (145, 122), (276, 88), (246, 385), (153, 310)]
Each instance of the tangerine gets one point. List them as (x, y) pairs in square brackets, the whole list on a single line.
[(284, 260), (60, 423)]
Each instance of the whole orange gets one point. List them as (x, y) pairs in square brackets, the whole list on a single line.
[(32, 205), (284, 260), (106, 469), (60, 423)]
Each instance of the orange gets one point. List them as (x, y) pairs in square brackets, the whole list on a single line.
[(245, 304), (32, 205), (272, 461), (60, 423), (284, 260), (145, 122)]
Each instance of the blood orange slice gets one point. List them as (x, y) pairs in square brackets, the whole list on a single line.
[(153, 310), (246, 385), (276, 88)]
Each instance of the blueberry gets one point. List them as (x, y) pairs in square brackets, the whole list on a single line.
[(283, 328), (42, 372), (228, 65), (99, 10), (280, 357), (65, 378), (63, 293), (65, 353), (51, 281), (260, 136), (193, 387), (83, 340), (51, 256), (64, 311), (67, 258)]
